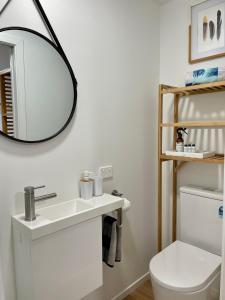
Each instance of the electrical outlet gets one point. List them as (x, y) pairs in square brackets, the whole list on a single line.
[(106, 172)]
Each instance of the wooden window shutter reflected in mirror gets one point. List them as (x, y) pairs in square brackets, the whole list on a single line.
[(6, 102)]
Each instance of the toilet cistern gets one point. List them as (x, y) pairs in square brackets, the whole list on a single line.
[(30, 199)]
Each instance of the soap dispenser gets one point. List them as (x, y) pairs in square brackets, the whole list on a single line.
[(86, 186)]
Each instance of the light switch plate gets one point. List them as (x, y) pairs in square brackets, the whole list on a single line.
[(106, 172)]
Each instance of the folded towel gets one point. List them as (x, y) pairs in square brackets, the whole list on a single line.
[(111, 241), (205, 76)]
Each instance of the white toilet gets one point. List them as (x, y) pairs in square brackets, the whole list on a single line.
[(189, 269)]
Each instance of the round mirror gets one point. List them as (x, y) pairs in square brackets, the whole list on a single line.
[(37, 87)]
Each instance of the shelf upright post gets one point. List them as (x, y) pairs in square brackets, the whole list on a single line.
[(174, 194), (160, 134)]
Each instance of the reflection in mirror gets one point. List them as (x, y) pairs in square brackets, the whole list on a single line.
[(36, 87)]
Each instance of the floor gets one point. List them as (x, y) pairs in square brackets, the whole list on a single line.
[(144, 292)]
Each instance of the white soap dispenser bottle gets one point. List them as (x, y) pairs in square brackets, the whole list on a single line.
[(86, 186)]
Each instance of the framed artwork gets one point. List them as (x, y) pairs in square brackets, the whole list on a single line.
[(207, 31)]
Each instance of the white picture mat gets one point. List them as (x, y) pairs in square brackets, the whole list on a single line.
[(198, 12), (209, 44)]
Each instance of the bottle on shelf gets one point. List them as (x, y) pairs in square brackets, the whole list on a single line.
[(186, 148), (86, 185), (180, 140), (193, 148)]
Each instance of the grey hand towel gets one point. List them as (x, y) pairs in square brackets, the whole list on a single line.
[(111, 241), (118, 242)]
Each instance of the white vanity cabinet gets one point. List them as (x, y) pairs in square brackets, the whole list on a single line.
[(58, 256), (66, 264)]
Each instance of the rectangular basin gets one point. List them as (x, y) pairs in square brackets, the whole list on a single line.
[(64, 210)]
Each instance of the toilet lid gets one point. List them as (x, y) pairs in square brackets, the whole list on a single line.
[(183, 267)]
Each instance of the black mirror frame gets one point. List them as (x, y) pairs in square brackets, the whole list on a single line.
[(56, 45)]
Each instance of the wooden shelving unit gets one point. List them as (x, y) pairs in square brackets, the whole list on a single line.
[(214, 87), (218, 159), (195, 124)]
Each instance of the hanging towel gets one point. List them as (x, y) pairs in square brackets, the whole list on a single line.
[(118, 242), (111, 240)]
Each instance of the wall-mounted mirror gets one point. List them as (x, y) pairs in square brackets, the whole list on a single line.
[(37, 86)]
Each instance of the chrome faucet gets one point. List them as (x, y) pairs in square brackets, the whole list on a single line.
[(30, 199)]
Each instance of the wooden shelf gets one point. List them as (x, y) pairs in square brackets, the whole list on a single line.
[(195, 124), (207, 88), (217, 159)]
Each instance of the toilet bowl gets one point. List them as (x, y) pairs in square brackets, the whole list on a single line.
[(185, 272)]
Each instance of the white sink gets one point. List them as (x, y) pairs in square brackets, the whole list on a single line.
[(64, 210), (57, 217)]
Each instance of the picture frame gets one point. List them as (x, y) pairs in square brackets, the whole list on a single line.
[(207, 31)]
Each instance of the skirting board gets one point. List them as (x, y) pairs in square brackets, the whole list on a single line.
[(131, 287)]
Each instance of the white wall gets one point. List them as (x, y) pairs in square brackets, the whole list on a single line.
[(113, 47), (175, 19)]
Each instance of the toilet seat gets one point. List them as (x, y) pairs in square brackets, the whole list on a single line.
[(184, 268)]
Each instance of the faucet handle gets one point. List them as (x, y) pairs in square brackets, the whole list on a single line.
[(116, 193), (30, 189), (39, 187)]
